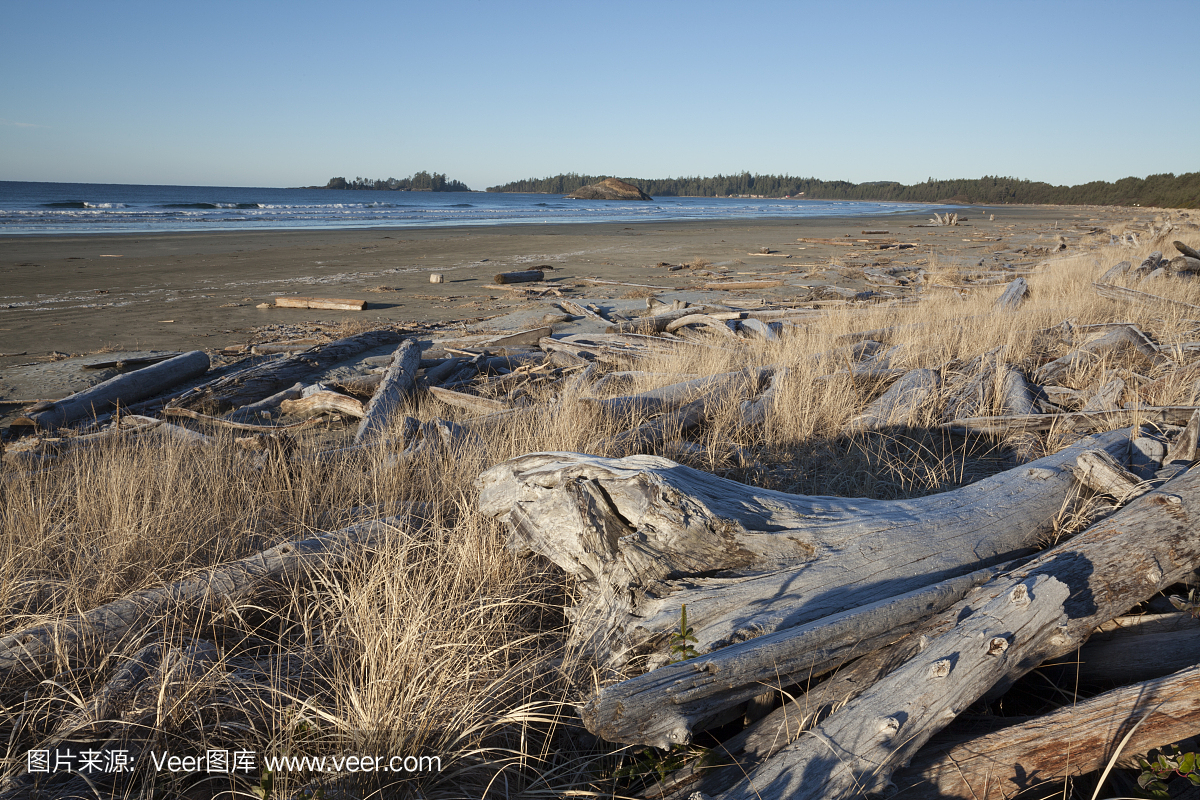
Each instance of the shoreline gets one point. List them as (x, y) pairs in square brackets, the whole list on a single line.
[(77, 293)]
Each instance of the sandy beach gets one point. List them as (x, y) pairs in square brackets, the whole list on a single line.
[(82, 293)]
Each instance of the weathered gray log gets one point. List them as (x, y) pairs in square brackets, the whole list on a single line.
[(1070, 420), (399, 382), (122, 389), (1185, 250), (684, 419), (1184, 447), (756, 411), (250, 385), (1126, 335), (525, 276), (323, 402), (705, 320), (900, 405), (665, 707), (1075, 740), (197, 596), (221, 422), (1110, 292), (1106, 398), (254, 410), (1106, 570), (856, 750), (655, 323), (1016, 396), (468, 401), (1184, 265), (757, 329), (1015, 294), (675, 395), (1115, 271), (641, 533), (1102, 473), (1131, 649), (441, 372)]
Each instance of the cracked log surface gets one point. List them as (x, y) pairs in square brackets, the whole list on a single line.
[(644, 535)]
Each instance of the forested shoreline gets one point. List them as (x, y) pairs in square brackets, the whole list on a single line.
[(420, 182), (1166, 190)]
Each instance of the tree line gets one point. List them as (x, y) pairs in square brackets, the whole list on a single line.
[(420, 182), (1166, 190)]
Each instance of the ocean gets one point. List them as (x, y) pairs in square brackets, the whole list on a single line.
[(57, 208)]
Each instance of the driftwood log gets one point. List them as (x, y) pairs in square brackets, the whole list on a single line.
[(643, 535), (1070, 420), (199, 595), (323, 402), (901, 404), (253, 384), (399, 382), (326, 303), (122, 389), (1106, 570), (1074, 740), (1125, 335)]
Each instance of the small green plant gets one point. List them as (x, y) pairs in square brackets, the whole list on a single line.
[(1158, 768), (683, 641)]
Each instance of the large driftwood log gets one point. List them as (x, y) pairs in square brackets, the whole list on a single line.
[(856, 750), (901, 404), (644, 535), (1070, 420), (1110, 292), (399, 382), (666, 706), (1014, 295), (248, 386), (202, 594), (670, 397), (254, 411), (1109, 568), (323, 402), (1126, 335), (1075, 740), (122, 389), (1138, 648)]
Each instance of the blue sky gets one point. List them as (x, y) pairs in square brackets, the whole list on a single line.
[(287, 94)]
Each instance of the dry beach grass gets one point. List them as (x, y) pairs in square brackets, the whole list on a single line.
[(436, 641)]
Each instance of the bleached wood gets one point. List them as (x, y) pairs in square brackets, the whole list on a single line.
[(123, 389), (468, 401), (700, 319), (225, 423), (1070, 420), (1126, 335), (665, 707), (253, 410), (901, 404), (856, 750), (755, 412), (1014, 296), (325, 303), (262, 380), (1106, 570), (640, 535), (1102, 473), (200, 595), (1110, 292), (399, 383), (323, 402), (1184, 447), (1106, 398)]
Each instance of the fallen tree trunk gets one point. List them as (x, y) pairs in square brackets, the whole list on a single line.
[(253, 384), (1054, 371), (468, 401), (1106, 570), (122, 389), (641, 533), (1014, 295), (200, 595), (254, 410), (665, 707), (1070, 420), (1074, 740), (1139, 648), (525, 276), (399, 382), (326, 303), (1110, 292), (901, 404), (323, 402)]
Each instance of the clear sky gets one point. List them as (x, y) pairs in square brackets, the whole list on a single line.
[(293, 93)]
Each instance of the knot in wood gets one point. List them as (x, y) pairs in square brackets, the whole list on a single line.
[(940, 669), (1173, 499), (889, 726), (1040, 473), (997, 645), (1019, 596)]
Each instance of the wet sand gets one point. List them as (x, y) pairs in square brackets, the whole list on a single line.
[(82, 293)]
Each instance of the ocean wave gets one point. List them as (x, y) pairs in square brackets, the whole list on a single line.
[(212, 206), (83, 204)]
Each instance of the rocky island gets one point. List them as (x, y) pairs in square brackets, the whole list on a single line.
[(609, 189)]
